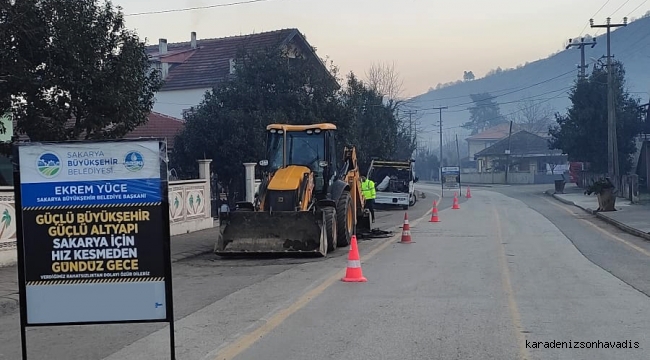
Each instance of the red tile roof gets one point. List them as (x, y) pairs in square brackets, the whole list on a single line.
[(209, 63), (159, 126), (495, 133)]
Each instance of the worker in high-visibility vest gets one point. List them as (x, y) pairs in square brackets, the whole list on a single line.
[(369, 194)]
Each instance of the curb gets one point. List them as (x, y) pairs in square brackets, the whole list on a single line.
[(463, 184), (478, 185), (628, 229), (569, 202)]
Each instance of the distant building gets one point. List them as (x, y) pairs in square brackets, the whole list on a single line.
[(488, 137), (528, 153)]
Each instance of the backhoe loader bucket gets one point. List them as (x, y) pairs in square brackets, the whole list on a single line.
[(257, 232)]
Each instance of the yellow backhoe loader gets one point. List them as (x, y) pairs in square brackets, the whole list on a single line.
[(309, 201)]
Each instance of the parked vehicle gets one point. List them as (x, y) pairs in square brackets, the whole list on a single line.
[(394, 181)]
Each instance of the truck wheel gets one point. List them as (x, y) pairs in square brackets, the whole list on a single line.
[(344, 219), (330, 226), (413, 200)]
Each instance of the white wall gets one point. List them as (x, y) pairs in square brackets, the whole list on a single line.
[(475, 146), (172, 103), (498, 178), (189, 206)]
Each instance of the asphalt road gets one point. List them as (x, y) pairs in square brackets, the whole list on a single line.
[(200, 283), (491, 281), (512, 269), (623, 255)]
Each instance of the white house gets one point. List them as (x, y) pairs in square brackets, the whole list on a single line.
[(189, 69)]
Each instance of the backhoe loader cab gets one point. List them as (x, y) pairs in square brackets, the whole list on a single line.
[(312, 147), (306, 202)]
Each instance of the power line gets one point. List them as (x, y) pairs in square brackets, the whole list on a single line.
[(425, 110), (507, 93), (244, 2), (619, 8), (510, 102), (493, 97), (503, 115), (594, 15), (632, 47), (636, 8), (452, 97)]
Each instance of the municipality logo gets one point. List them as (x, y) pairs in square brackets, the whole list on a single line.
[(133, 161), (49, 165)]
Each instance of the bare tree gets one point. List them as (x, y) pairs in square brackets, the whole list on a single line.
[(534, 117), (384, 79)]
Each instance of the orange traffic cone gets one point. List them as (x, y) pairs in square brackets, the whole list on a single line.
[(468, 194), (434, 213), (456, 206), (406, 230), (353, 272)]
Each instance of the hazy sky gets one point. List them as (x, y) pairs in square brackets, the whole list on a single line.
[(430, 41)]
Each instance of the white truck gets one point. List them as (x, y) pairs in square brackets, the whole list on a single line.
[(394, 182)]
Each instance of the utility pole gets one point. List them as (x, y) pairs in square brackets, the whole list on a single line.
[(415, 127), (442, 193), (612, 144), (460, 189), (508, 152), (581, 45), (413, 135), (410, 114)]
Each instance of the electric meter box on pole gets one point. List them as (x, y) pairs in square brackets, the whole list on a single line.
[(93, 233)]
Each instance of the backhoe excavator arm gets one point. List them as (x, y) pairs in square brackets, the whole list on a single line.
[(353, 178)]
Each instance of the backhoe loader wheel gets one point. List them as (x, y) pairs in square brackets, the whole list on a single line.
[(330, 226), (345, 219)]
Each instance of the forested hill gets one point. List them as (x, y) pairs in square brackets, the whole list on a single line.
[(546, 81)]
